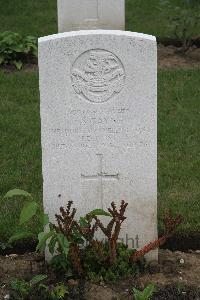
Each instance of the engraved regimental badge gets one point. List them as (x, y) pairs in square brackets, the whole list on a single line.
[(97, 75)]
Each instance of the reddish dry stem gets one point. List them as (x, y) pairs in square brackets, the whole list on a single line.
[(146, 249), (170, 224)]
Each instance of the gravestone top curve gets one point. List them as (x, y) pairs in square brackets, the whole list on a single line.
[(96, 32)]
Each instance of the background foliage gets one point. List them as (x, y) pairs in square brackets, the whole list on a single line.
[(39, 17)]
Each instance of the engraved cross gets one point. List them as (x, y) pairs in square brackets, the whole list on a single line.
[(101, 176)]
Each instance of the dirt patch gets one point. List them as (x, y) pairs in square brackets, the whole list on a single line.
[(183, 242), (195, 41), (174, 267), (174, 292), (26, 67), (20, 266), (169, 292), (176, 275), (172, 57)]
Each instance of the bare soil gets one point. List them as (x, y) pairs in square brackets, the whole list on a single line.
[(19, 266), (172, 57), (176, 276)]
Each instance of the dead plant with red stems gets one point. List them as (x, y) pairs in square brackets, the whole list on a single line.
[(113, 228), (170, 224)]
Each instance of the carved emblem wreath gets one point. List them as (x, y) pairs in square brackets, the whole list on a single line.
[(97, 75)]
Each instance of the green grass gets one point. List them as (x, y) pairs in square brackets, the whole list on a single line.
[(35, 17), (20, 149), (149, 16), (178, 137), (39, 17), (179, 142)]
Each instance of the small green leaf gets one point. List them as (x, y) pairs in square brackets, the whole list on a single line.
[(17, 192), (18, 64), (137, 294), (45, 219), (77, 237), (20, 236), (17, 48), (145, 294), (35, 52), (28, 211), (20, 285), (37, 279), (83, 222), (59, 291), (42, 239), (100, 212), (148, 291), (52, 245), (63, 242), (2, 59)]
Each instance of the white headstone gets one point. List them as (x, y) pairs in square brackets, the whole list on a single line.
[(98, 114), (91, 14)]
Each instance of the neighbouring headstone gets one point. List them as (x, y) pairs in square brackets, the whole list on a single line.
[(98, 122), (91, 14)]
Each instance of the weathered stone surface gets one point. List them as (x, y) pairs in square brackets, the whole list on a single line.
[(91, 14), (98, 115)]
